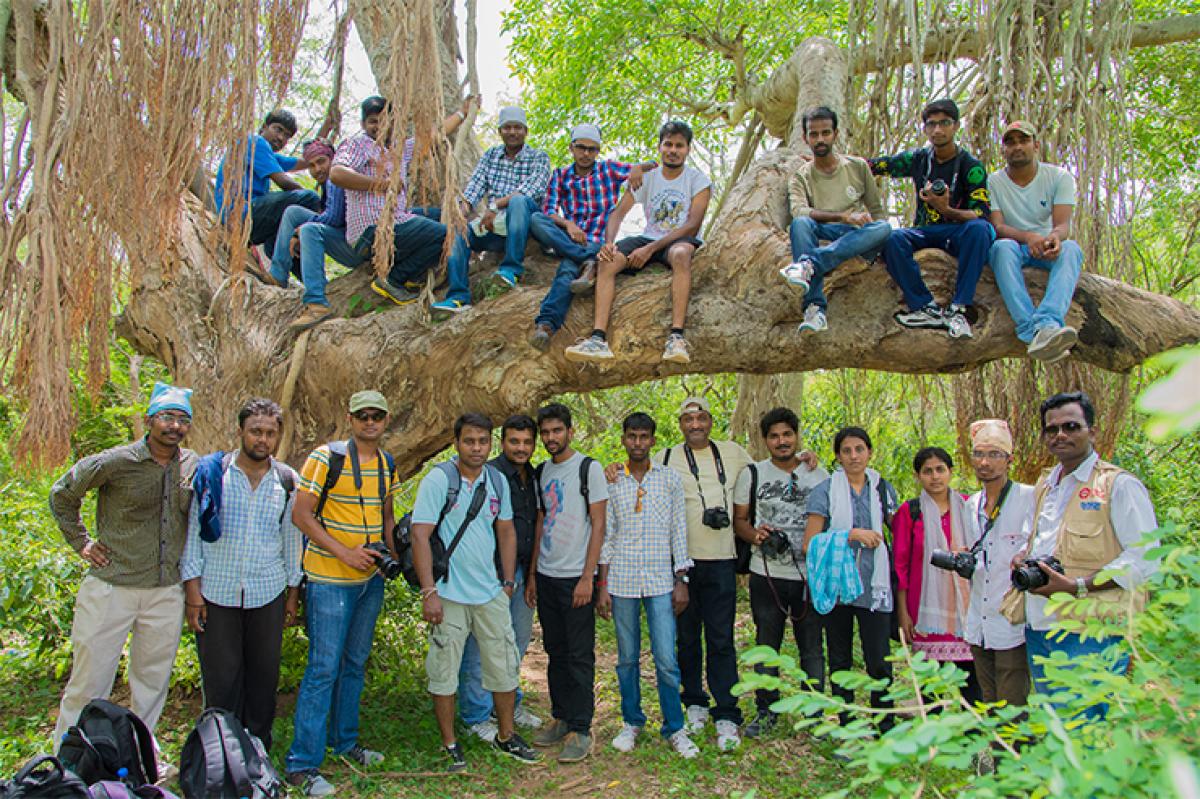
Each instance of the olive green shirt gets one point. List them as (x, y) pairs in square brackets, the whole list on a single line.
[(850, 187), (141, 512)]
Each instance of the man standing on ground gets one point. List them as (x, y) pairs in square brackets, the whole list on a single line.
[(469, 600), (770, 512), (265, 166), (362, 167), (833, 198), (996, 516), (340, 518), (518, 437), (512, 177), (241, 569), (952, 210), (578, 202), (142, 495), (1032, 204), (675, 199), (644, 562), (570, 533)]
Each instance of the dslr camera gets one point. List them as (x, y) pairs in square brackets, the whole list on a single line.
[(716, 518), (961, 563), (1028, 576), (776, 544), (937, 187), (388, 566)]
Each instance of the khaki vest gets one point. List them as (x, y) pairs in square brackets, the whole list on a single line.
[(1086, 543)]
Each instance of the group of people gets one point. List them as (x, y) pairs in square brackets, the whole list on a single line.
[(225, 542), (1019, 216)]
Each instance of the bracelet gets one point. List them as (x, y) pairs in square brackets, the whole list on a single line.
[(601, 583), (427, 592)]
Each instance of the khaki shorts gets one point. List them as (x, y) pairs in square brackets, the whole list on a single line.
[(491, 624)]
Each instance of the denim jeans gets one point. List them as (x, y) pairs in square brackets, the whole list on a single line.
[(845, 241), (341, 626), (713, 604), (558, 298), (660, 620), (416, 247), (518, 217), (968, 241), (266, 214), (474, 703), (317, 241), (1007, 257), (1038, 645), (282, 263)]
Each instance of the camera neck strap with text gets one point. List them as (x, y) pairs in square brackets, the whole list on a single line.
[(695, 470)]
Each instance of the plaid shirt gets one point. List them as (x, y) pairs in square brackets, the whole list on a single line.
[(258, 553), (364, 155), (587, 201), (644, 548), (499, 176)]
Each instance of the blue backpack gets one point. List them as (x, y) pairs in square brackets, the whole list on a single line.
[(207, 484)]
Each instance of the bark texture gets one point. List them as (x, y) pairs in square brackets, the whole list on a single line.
[(229, 340)]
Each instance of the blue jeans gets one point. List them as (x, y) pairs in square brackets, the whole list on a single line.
[(416, 247), (341, 626), (281, 259), (968, 241), (1007, 257), (660, 619), (1038, 645), (845, 241), (317, 241), (266, 214), (558, 298), (518, 217), (474, 703)]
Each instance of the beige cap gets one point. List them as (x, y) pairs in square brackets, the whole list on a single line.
[(694, 404), (993, 434), (368, 399), (1020, 125)]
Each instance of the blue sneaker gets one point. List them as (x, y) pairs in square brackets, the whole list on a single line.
[(505, 279), (444, 309)]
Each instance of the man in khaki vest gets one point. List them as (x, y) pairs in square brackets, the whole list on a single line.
[(1092, 516)]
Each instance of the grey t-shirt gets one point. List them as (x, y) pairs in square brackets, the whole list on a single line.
[(666, 202), (781, 502), (818, 504), (566, 529)]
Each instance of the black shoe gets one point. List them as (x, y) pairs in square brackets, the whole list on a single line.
[(763, 723), (516, 748), (457, 761)]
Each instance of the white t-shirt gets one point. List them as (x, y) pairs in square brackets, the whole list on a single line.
[(666, 203), (1030, 207), (566, 529), (782, 502)]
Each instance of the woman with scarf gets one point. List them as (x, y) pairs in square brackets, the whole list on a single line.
[(931, 603), (849, 570)]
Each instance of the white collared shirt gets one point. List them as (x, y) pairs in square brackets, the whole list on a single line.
[(986, 627), (1132, 517)]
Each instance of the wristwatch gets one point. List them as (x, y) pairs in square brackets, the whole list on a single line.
[(507, 584), (681, 578), (1080, 588)]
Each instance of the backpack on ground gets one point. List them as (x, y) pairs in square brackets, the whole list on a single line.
[(44, 777), (108, 789), (107, 739), (223, 760)]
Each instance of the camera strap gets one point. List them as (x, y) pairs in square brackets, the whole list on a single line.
[(356, 471), (695, 470), (477, 500), (993, 516)]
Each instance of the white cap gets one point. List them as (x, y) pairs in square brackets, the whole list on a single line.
[(586, 130), (511, 113)]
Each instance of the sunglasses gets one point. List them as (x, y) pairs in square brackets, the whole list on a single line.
[(586, 148), (1052, 430), (370, 416)]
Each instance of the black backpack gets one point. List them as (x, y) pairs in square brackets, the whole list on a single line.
[(119, 790), (109, 742), (44, 777), (223, 760)]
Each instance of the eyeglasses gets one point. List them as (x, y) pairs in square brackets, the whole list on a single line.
[(370, 416), (641, 493), (1052, 430), (990, 455), (180, 419), (586, 148), (934, 124)]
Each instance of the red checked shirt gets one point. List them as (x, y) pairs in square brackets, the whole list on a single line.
[(364, 155), (587, 201)]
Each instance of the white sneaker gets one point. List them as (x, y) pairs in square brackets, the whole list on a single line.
[(589, 349), (728, 736), (627, 738), (485, 730), (697, 717), (956, 322), (682, 744), (676, 350), (799, 274), (1050, 344), (814, 320), (524, 717)]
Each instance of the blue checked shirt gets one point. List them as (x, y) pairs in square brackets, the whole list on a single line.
[(644, 549), (257, 555), (334, 214), (499, 176)]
